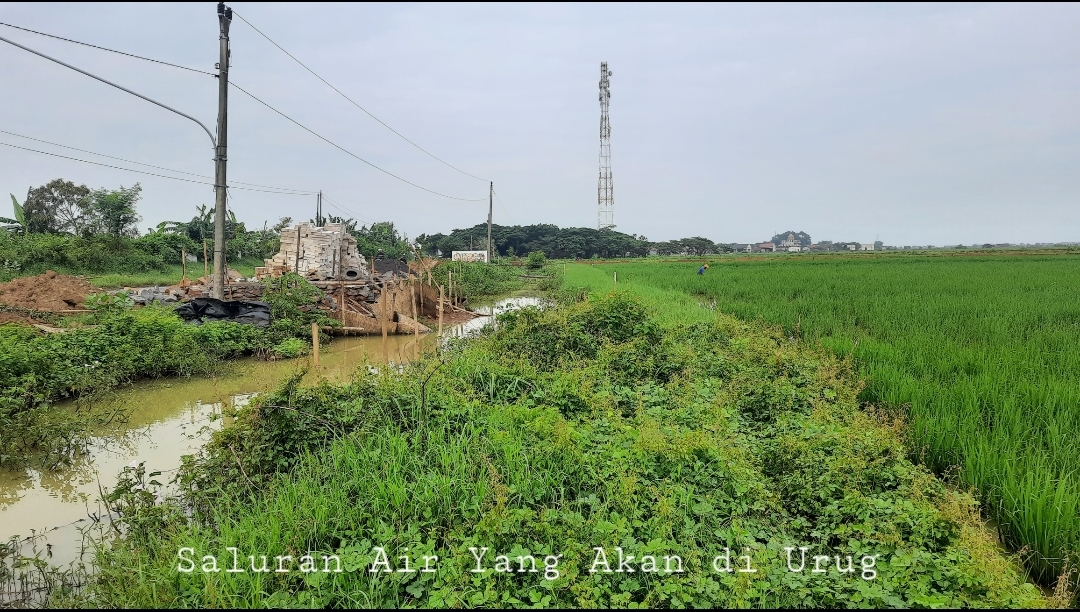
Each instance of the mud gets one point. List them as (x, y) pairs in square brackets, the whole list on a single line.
[(50, 292)]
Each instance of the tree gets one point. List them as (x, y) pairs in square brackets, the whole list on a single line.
[(58, 207), (114, 211)]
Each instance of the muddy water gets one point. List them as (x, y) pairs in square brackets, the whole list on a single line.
[(169, 418)]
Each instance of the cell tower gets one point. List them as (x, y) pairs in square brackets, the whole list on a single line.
[(605, 195)]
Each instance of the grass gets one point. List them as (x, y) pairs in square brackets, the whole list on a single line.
[(171, 276), (979, 351), (588, 425)]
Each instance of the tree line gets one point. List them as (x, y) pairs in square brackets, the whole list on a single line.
[(562, 243)]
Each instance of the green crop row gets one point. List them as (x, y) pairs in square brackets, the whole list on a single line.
[(980, 351)]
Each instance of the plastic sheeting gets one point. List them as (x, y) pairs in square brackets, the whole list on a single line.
[(201, 310)]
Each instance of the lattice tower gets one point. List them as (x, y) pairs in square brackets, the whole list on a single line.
[(605, 194)]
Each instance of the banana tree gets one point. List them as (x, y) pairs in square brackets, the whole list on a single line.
[(20, 215)]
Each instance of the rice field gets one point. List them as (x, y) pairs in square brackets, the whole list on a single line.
[(980, 351)]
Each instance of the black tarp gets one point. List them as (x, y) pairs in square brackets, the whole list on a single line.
[(203, 309)]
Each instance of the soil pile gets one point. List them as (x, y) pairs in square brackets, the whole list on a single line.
[(49, 292)]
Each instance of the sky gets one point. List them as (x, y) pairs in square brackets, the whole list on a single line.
[(909, 124)]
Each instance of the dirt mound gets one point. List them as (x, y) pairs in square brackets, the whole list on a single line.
[(49, 292)]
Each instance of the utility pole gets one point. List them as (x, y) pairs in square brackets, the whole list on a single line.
[(318, 210), (491, 193), (224, 19)]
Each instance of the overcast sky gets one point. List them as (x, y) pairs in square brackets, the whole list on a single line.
[(937, 124)]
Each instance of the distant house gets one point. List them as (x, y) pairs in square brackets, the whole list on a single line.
[(765, 247), (788, 242), (866, 246), (792, 249), (742, 248)]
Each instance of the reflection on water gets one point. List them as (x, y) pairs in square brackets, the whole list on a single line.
[(169, 418)]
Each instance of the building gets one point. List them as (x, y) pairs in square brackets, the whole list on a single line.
[(765, 247), (742, 248), (469, 256), (866, 246), (790, 241)]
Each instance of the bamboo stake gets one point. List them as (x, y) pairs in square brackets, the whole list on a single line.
[(183, 263), (315, 342), (205, 262)]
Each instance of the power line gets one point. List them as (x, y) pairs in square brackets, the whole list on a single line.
[(55, 144), (107, 49), (348, 152), (497, 199), (175, 178), (353, 102), (346, 210)]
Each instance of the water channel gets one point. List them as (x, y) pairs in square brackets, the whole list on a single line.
[(171, 417)]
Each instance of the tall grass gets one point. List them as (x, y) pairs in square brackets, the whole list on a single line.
[(980, 350)]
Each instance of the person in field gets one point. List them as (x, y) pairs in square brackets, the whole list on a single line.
[(702, 269)]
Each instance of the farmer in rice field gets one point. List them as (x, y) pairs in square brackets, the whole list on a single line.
[(702, 269)]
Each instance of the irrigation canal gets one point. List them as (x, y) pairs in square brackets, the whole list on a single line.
[(171, 417)]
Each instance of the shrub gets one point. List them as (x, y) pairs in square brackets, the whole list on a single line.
[(535, 260), (290, 348)]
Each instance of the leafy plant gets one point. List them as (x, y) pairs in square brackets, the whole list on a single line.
[(109, 302), (535, 260), (290, 348)]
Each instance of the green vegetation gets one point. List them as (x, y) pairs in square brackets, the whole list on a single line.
[(979, 352), (535, 260), (478, 279), (568, 242), (116, 345), (566, 429)]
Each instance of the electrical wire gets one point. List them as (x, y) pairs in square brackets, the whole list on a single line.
[(348, 152), (497, 199), (346, 210), (353, 102), (107, 49), (175, 178), (55, 144)]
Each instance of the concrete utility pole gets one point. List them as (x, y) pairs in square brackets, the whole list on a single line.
[(318, 210), (490, 250), (224, 19)]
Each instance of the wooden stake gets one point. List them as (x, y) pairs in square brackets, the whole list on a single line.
[(440, 309), (296, 268), (412, 301), (384, 317), (183, 263), (416, 321), (343, 302), (315, 342), (205, 262), (616, 279)]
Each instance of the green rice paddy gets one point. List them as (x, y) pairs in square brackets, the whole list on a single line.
[(979, 352)]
